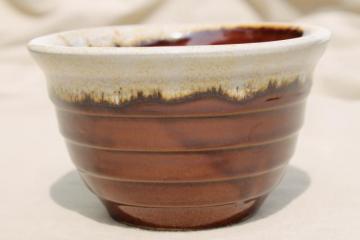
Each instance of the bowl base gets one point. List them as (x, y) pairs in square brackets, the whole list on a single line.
[(183, 218)]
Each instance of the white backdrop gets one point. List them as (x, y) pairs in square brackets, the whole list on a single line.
[(42, 196)]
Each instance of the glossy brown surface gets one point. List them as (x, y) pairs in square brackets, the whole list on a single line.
[(198, 162), (227, 36)]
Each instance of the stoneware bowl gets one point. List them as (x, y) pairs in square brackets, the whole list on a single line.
[(181, 127)]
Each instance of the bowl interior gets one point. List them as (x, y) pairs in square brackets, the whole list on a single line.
[(176, 35), (219, 36)]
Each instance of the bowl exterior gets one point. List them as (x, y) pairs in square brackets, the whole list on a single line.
[(182, 140), (186, 170)]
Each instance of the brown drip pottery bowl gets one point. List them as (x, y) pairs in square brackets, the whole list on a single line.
[(181, 127)]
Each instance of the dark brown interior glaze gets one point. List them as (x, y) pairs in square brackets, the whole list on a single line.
[(228, 36)]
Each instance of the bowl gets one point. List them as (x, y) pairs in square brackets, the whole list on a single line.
[(181, 126)]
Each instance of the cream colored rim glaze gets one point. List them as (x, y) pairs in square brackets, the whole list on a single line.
[(115, 75)]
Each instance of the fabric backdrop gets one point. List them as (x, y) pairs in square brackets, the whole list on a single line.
[(42, 196)]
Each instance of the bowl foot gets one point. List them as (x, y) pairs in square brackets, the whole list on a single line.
[(183, 218)]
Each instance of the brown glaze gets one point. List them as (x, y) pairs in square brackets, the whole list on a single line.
[(200, 162), (227, 36)]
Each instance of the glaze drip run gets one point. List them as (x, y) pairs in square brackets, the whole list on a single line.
[(157, 97)]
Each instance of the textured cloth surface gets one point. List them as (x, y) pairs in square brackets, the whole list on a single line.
[(42, 196)]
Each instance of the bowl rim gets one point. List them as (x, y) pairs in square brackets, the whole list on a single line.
[(311, 35)]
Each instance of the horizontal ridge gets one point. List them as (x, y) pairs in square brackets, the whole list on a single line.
[(190, 206), (153, 150), (224, 179)]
